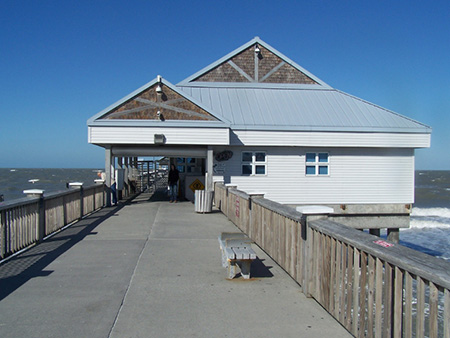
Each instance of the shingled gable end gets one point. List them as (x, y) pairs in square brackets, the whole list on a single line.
[(290, 134)]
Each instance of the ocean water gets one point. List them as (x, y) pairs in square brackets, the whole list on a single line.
[(14, 181), (430, 218)]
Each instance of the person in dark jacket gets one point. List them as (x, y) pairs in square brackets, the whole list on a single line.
[(174, 176)]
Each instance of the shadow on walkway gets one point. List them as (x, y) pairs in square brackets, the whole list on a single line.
[(31, 263)]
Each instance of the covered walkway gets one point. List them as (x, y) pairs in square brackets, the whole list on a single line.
[(148, 268)]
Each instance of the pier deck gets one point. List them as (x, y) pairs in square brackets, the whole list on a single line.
[(148, 268)]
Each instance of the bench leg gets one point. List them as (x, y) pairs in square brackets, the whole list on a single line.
[(231, 269), (245, 268), (224, 259)]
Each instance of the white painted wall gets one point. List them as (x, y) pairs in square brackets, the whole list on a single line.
[(357, 176), (329, 139), (145, 135)]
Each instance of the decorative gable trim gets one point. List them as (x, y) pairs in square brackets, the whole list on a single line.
[(157, 101), (255, 63)]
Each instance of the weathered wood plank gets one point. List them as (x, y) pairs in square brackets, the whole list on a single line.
[(433, 319), (446, 313), (342, 299), (407, 324), (348, 312), (363, 296), (332, 285), (420, 320), (388, 285), (355, 301), (370, 296), (326, 272), (378, 298), (398, 303), (338, 279)]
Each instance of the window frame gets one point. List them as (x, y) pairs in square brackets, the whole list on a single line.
[(317, 164), (254, 163)]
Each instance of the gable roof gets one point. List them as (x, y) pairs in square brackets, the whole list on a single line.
[(281, 95), (254, 64), (147, 106)]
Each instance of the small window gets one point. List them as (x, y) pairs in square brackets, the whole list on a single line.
[(317, 164), (253, 163)]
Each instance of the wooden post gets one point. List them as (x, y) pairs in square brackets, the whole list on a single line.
[(375, 232), (4, 234), (209, 170), (80, 186), (41, 211), (108, 167), (393, 235)]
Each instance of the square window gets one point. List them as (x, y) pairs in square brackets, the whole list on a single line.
[(310, 157), (310, 170), (181, 168), (260, 157), (247, 157), (246, 169), (323, 157), (323, 170), (260, 170), (180, 159)]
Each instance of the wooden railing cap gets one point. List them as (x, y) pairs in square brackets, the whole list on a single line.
[(314, 210), (34, 192)]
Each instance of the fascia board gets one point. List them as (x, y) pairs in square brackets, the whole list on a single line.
[(418, 130), (159, 124)]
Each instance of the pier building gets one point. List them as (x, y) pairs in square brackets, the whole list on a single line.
[(258, 120)]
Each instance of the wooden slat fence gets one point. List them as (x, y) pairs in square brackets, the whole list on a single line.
[(374, 288), (28, 220)]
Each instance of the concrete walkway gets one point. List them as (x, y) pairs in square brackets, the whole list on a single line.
[(149, 268)]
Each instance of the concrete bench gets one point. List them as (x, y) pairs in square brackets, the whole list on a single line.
[(236, 250)]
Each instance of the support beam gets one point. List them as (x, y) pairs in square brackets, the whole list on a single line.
[(209, 169), (393, 235), (108, 166)]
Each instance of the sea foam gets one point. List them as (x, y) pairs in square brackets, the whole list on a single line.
[(430, 218)]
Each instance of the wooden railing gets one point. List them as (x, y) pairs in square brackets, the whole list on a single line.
[(28, 220), (374, 288)]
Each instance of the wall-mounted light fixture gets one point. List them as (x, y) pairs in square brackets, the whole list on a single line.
[(159, 139), (158, 88), (257, 50)]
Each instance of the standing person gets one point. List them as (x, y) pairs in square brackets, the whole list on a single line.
[(174, 176), (102, 176)]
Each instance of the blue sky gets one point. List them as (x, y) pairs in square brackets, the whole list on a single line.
[(62, 62)]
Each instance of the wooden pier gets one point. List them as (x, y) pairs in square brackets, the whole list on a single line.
[(374, 288)]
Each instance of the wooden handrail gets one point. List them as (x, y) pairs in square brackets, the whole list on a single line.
[(371, 286)]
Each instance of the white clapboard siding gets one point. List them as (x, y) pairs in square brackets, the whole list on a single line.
[(329, 139), (145, 135), (357, 176)]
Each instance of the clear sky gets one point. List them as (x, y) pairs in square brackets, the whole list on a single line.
[(62, 62)]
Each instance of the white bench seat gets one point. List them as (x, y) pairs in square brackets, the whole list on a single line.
[(236, 250)]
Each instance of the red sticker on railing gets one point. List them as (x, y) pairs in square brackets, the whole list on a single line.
[(383, 243)]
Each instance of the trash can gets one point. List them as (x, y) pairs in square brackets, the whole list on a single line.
[(203, 201)]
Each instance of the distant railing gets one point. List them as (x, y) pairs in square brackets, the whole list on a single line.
[(374, 288), (28, 220)]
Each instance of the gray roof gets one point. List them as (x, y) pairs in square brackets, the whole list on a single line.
[(300, 110)]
